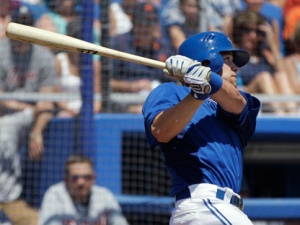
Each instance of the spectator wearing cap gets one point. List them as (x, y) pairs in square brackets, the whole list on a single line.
[(24, 68), (144, 39), (37, 7)]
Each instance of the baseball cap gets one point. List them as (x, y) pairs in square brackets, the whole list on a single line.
[(22, 15), (145, 13)]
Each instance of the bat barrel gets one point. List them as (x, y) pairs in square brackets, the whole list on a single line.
[(50, 39)]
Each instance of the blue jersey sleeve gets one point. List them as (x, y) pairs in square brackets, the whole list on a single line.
[(245, 122), (163, 97)]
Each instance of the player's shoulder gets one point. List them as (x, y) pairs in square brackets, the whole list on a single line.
[(168, 89), (246, 94), (251, 99), (169, 85)]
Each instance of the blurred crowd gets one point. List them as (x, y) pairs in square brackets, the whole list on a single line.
[(154, 29), (268, 30)]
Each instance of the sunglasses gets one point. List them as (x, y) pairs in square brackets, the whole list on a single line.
[(248, 30), (86, 177)]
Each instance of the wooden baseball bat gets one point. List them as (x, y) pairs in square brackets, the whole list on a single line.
[(50, 39)]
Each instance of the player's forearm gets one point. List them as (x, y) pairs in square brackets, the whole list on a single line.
[(230, 98), (172, 121)]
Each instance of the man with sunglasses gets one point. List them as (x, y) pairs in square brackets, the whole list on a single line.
[(77, 200)]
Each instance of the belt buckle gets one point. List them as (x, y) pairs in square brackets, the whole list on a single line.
[(241, 204), (237, 201)]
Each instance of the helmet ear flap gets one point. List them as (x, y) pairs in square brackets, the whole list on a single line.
[(216, 62), (205, 62)]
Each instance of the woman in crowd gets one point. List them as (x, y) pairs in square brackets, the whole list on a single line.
[(265, 71)]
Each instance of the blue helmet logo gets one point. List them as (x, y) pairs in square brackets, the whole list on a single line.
[(207, 46)]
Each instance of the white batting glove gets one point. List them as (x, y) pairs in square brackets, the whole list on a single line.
[(197, 78), (178, 65)]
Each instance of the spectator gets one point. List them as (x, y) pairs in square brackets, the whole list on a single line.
[(264, 73), (4, 220), (5, 15), (77, 200), (292, 61), (120, 20), (145, 39), (279, 3), (37, 7), (23, 68), (291, 14), (61, 12), (273, 14), (180, 20), (220, 12), (68, 66)]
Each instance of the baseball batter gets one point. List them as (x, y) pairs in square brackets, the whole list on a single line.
[(202, 128)]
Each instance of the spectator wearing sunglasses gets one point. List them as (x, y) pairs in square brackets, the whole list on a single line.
[(77, 200), (264, 73), (272, 13)]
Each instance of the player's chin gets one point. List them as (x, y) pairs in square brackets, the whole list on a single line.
[(233, 81)]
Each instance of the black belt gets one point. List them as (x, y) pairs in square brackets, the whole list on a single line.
[(235, 200)]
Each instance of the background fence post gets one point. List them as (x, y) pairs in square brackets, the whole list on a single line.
[(86, 121)]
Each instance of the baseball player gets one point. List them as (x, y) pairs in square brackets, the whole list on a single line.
[(202, 128)]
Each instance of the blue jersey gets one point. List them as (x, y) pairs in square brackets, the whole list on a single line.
[(210, 148)]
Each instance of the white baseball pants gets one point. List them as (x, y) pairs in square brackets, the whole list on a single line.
[(204, 208)]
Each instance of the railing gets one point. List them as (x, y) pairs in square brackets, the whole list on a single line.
[(120, 97)]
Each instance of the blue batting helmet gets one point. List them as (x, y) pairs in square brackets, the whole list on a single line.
[(207, 46)]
